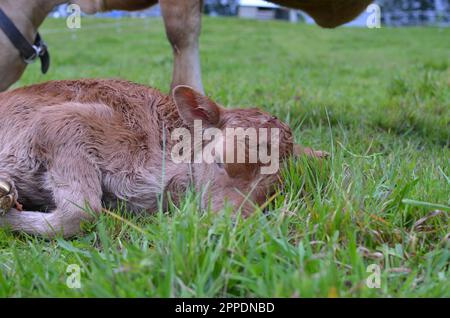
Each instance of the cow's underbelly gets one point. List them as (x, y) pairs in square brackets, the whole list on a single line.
[(328, 13)]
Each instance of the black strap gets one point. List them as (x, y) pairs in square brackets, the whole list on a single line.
[(44, 55), (28, 52)]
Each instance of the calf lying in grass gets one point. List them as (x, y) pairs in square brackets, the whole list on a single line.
[(68, 147)]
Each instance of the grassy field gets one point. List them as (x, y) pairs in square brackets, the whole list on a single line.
[(378, 100)]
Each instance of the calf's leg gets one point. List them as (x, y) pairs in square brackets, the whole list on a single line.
[(182, 20), (75, 185)]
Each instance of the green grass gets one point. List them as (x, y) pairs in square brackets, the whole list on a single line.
[(378, 100)]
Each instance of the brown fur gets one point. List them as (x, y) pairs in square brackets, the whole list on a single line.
[(65, 145), (328, 13)]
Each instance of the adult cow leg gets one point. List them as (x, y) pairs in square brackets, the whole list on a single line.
[(183, 24)]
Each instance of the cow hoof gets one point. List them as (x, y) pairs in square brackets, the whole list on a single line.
[(7, 197)]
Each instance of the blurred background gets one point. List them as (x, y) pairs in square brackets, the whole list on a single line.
[(393, 12)]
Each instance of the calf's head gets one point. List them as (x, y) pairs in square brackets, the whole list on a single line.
[(236, 154)]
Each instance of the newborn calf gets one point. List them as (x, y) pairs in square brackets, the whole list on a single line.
[(69, 147)]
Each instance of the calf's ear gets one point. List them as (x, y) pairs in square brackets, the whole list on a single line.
[(193, 105)]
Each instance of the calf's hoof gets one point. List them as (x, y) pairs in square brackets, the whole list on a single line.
[(8, 197)]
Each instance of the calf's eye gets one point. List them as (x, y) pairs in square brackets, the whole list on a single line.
[(219, 164)]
